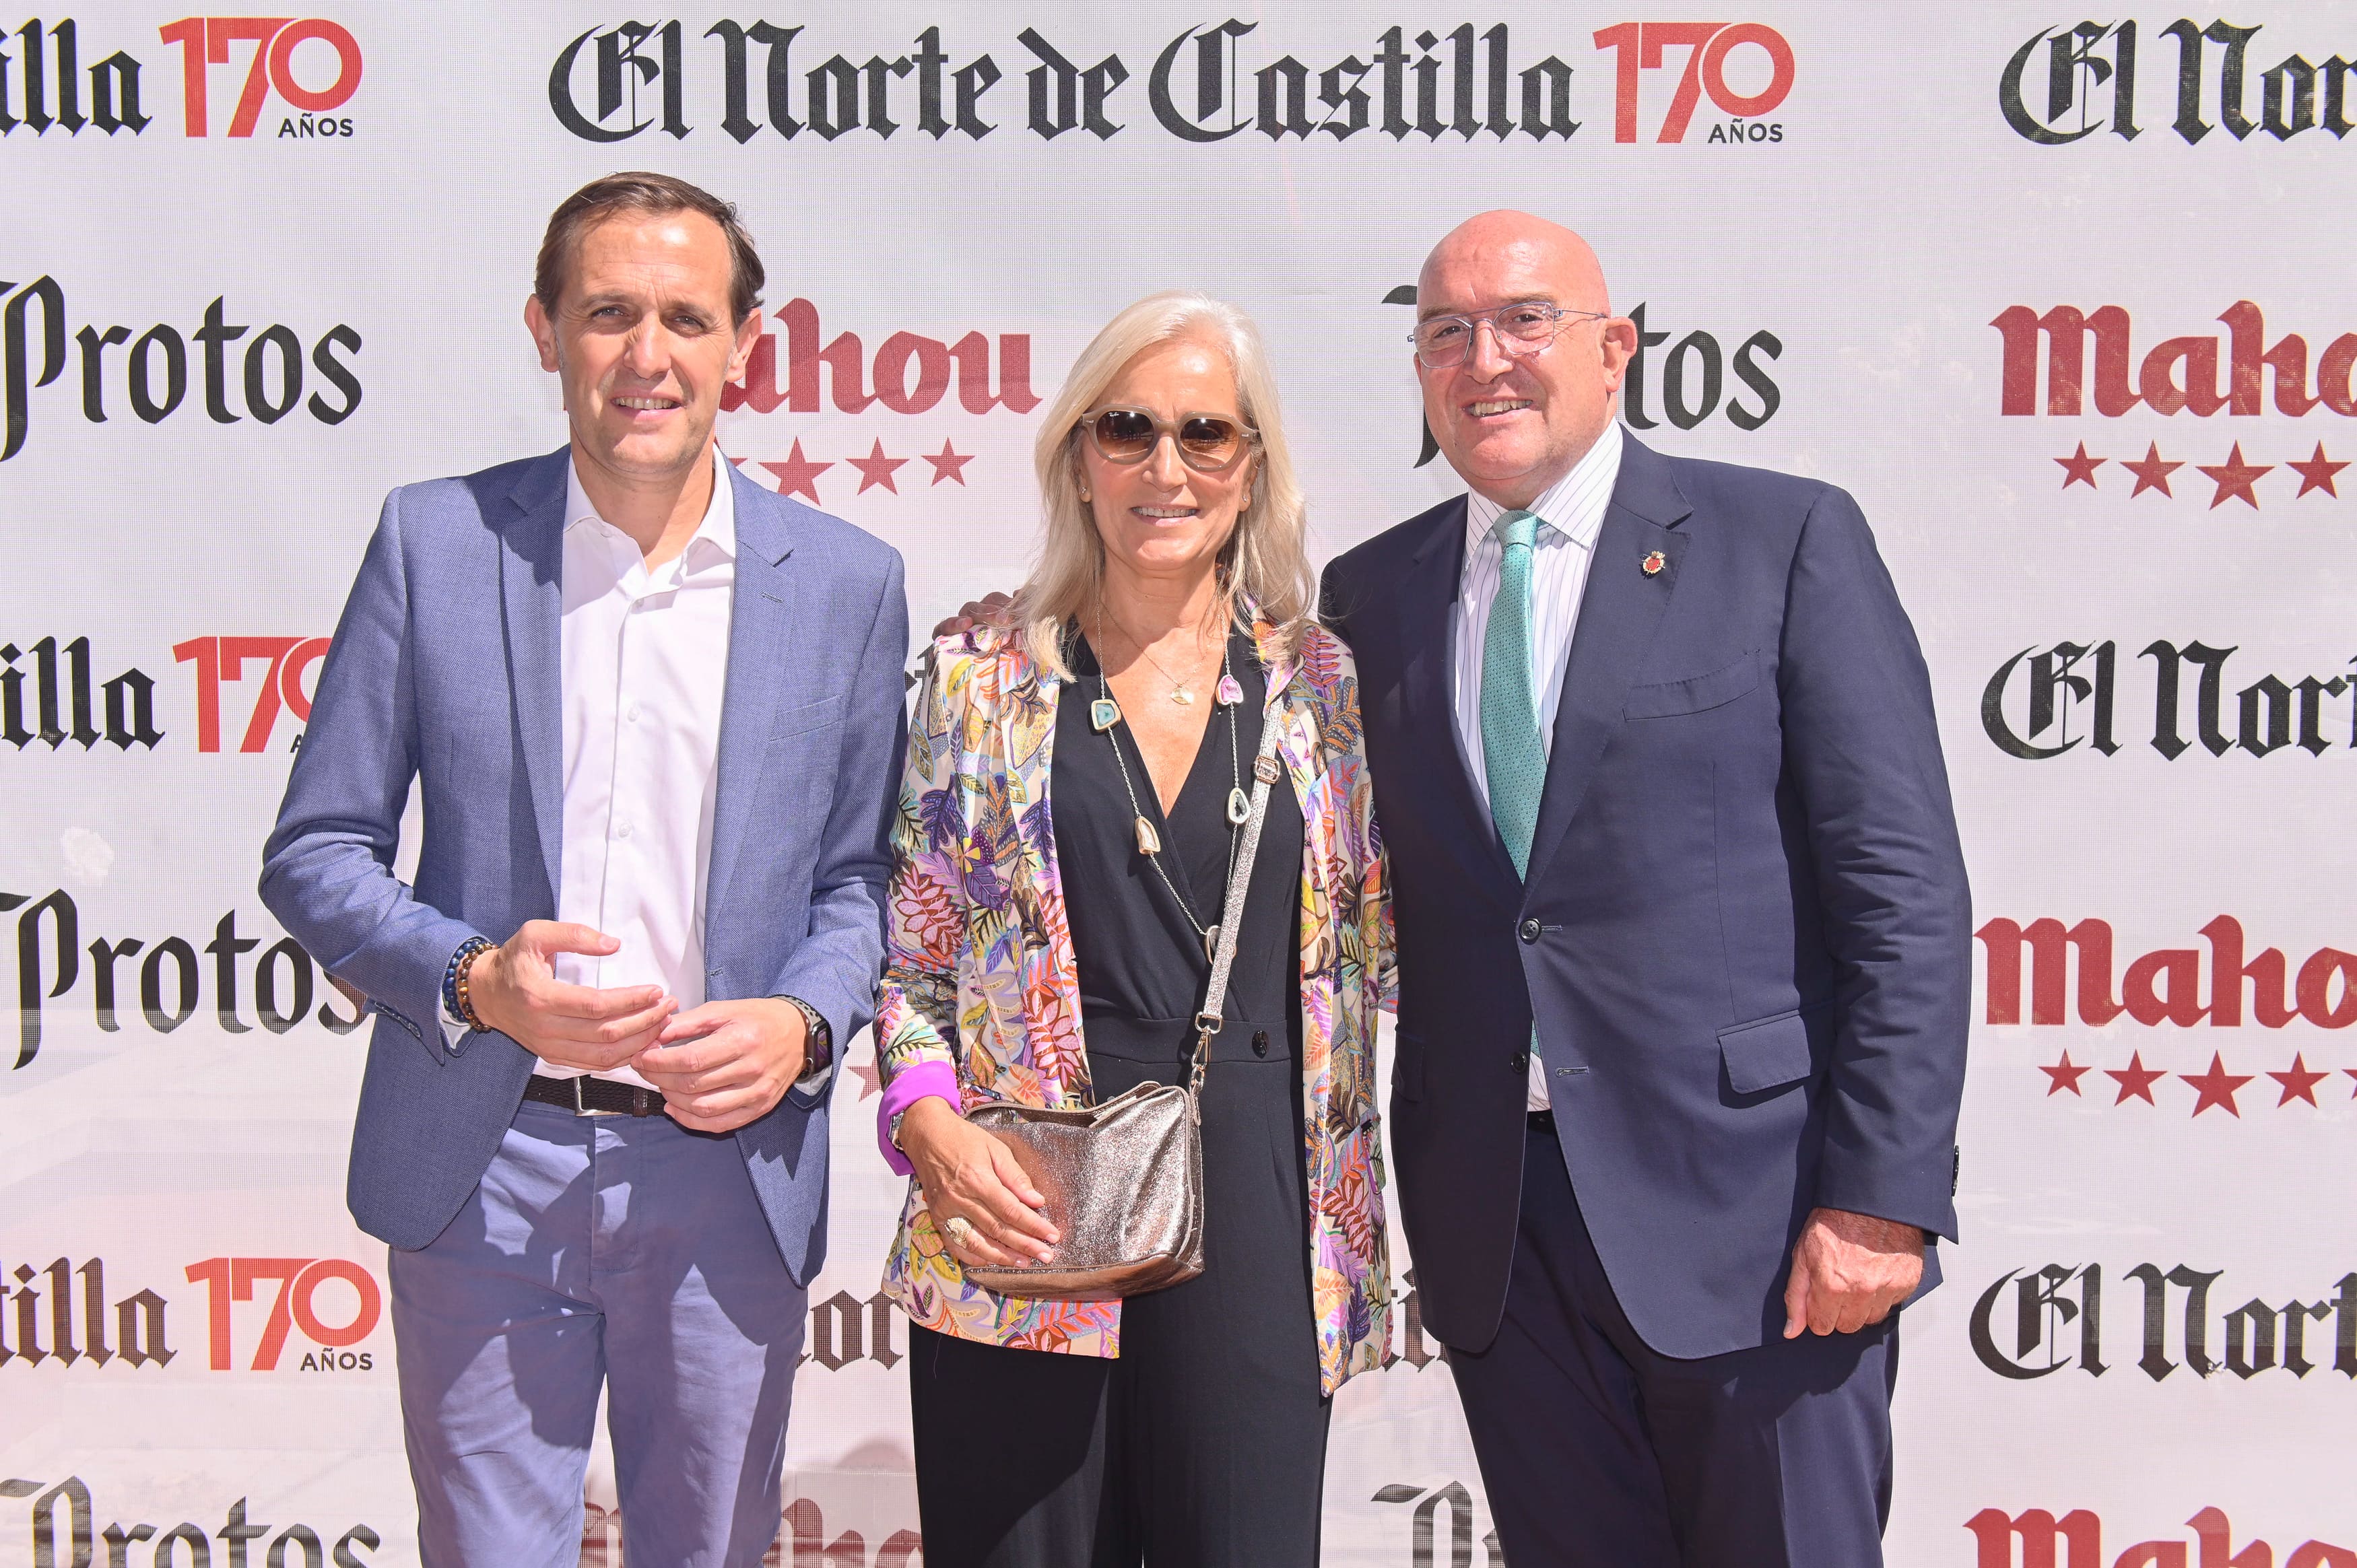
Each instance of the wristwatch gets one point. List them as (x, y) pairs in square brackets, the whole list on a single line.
[(819, 1054)]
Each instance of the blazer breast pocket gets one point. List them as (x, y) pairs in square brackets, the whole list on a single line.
[(805, 718), (1696, 693)]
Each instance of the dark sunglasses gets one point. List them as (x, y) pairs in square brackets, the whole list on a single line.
[(1207, 442)]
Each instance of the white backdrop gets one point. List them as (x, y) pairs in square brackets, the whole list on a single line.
[(191, 1341)]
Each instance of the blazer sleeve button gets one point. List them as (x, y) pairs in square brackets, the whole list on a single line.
[(1518, 1062), (1529, 930)]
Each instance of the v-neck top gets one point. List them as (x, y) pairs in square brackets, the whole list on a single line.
[(1137, 954)]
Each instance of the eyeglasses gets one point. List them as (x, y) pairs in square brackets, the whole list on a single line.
[(1207, 442), (1522, 329)]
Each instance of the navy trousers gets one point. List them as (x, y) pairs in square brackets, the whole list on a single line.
[(1598, 1453)]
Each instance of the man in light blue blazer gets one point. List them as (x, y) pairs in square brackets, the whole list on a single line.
[(655, 714)]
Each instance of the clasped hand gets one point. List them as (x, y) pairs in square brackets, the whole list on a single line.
[(967, 1174), (717, 1067)]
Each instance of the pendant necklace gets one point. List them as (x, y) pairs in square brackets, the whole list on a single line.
[(1104, 713), (1181, 691)]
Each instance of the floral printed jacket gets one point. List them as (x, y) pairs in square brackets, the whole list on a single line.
[(981, 978)]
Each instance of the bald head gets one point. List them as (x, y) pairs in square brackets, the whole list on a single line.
[(1510, 242), (1521, 408)]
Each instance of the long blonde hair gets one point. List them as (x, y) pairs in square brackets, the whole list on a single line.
[(1264, 560)]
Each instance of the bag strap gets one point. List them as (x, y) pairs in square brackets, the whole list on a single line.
[(1266, 771)]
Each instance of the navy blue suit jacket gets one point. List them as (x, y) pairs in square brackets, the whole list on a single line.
[(1745, 934), (444, 671)]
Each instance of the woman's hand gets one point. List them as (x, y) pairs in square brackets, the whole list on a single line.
[(991, 609), (966, 1173)]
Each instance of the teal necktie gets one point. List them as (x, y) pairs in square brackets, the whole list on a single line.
[(1512, 755)]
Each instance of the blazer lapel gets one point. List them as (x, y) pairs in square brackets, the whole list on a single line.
[(1619, 611), (532, 558), (1428, 593), (769, 670)]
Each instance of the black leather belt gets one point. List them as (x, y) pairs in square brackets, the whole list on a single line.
[(592, 1095), (1543, 1121)]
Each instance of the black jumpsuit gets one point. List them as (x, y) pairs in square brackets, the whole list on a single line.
[(1203, 1444)]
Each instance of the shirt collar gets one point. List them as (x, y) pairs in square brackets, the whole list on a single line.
[(1573, 505), (717, 531)]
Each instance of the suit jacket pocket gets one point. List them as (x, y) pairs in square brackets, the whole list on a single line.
[(807, 717), (1697, 693), (1407, 1066), (1767, 1053)]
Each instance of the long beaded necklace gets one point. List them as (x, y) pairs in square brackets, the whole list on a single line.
[(1105, 717)]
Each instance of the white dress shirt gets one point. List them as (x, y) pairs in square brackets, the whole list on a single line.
[(644, 663), (1570, 513)]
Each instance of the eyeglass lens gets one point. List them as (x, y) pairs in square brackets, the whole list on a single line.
[(1446, 339), (1129, 435)]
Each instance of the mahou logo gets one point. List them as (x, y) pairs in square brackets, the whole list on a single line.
[(2076, 1540), (299, 88), (2066, 84), (2034, 1322), (152, 373), (1206, 84)]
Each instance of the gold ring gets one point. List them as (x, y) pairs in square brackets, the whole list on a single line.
[(960, 1229)]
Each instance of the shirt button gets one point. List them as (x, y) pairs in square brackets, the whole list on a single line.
[(1518, 1062), (633, 714), (622, 829), (1530, 931), (1260, 1042)]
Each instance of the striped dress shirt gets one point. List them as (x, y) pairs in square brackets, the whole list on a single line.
[(1571, 514)]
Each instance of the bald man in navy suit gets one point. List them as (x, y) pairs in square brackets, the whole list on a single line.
[(1684, 939)]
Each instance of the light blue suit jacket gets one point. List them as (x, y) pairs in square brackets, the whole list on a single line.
[(444, 671)]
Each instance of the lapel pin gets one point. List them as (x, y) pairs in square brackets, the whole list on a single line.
[(1103, 714), (1653, 563)]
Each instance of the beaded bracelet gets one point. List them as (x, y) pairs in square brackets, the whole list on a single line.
[(454, 981)]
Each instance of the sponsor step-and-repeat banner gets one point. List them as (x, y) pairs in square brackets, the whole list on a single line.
[(2063, 301)]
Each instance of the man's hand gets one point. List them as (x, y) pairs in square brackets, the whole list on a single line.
[(514, 990), (726, 1063), (1849, 1270), (991, 609)]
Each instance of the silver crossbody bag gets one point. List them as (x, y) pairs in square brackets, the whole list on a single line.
[(1124, 1180)]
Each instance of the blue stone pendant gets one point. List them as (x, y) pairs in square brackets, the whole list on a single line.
[(1103, 714)]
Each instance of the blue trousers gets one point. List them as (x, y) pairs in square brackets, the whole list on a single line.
[(1598, 1452), (609, 1251)]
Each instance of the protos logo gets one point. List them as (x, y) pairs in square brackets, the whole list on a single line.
[(49, 83)]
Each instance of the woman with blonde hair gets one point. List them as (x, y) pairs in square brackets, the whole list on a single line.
[(1057, 958)]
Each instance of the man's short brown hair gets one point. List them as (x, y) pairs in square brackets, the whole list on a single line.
[(654, 194)]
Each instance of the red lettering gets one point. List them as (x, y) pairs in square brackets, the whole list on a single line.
[(2046, 939), (932, 360), (2178, 1001), (282, 66), (2066, 330), (2333, 375), (364, 1318), (2227, 972), (2039, 1532), (220, 33), (290, 676), (244, 1272), (214, 1273), (1780, 63), (2199, 392), (2315, 988), (188, 32)]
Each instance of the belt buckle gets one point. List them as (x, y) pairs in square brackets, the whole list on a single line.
[(581, 1106)]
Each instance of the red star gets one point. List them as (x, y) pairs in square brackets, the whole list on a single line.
[(2215, 1087), (2299, 1082), (2065, 1076), (2235, 478), (870, 1075), (2080, 469), (798, 474), (2152, 474), (2316, 473), (736, 462), (876, 469), (2136, 1081), (948, 464), (2352, 1072)]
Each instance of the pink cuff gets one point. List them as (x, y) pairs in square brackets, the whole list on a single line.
[(925, 1080)]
